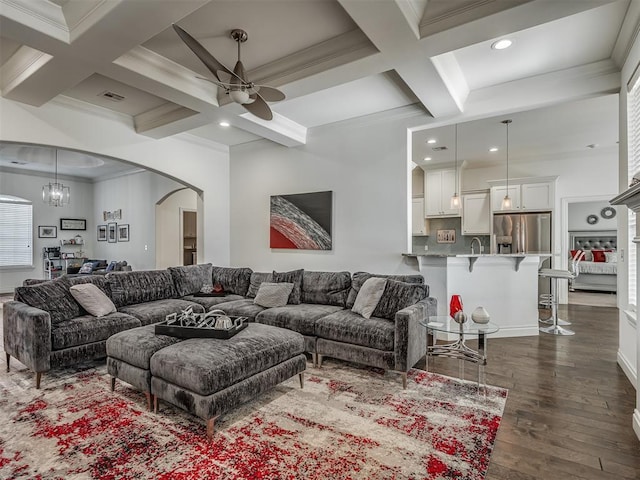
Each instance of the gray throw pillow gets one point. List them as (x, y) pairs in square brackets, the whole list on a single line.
[(369, 296), (360, 277), (272, 295), (399, 295), (295, 277), (52, 297), (233, 280), (92, 299), (190, 278), (255, 281)]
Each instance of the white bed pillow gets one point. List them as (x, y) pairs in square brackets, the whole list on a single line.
[(369, 296), (272, 295), (611, 257), (92, 299)]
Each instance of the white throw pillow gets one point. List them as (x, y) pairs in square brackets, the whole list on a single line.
[(611, 257), (273, 294), (369, 296), (92, 299)]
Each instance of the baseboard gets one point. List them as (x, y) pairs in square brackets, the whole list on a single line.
[(628, 369), (516, 332), (636, 422)]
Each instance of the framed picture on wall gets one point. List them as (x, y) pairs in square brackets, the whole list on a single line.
[(73, 224), (102, 233), (123, 232), (47, 231), (112, 232)]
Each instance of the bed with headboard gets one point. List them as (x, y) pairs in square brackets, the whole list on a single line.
[(598, 269)]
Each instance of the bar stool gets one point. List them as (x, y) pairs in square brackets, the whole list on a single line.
[(555, 328)]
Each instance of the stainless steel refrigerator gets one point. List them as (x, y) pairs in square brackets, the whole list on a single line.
[(524, 233)]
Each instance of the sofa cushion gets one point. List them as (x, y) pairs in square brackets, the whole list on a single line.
[(130, 288), (254, 282), (360, 277), (399, 295), (299, 318), (88, 329), (190, 279), (233, 280), (369, 296), (349, 327), (92, 299), (273, 294), (157, 311), (240, 308), (52, 297), (208, 302), (325, 288), (294, 277)]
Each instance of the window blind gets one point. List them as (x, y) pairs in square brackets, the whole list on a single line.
[(633, 162), (16, 233)]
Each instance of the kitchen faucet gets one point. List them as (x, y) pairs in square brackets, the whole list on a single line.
[(479, 245)]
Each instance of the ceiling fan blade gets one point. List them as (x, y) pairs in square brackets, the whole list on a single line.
[(205, 57), (270, 94), (259, 108)]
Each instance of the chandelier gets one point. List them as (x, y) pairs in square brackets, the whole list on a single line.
[(56, 194)]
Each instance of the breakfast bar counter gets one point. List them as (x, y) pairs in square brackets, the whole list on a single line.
[(506, 285)]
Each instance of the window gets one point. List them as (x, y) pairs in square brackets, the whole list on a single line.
[(16, 232), (633, 135)]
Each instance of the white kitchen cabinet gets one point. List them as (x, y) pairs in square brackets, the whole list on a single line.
[(476, 214), (525, 197), (440, 185), (537, 196), (418, 224), (497, 194)]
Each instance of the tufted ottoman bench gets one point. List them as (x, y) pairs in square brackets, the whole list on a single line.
[(206, 376)]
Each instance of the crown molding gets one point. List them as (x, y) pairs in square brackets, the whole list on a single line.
[(628, 34), (405, 112), (203, 142), (46, 17), (160, 116)]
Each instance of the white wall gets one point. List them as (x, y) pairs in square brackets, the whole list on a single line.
[(29, 186), (579, 211), (136, 195), (629, 335), (366, 168), (204, 165), (168, 246)]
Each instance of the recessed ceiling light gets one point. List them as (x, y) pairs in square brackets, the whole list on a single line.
[(501, 44), (493, 149), (224, 124), (426, 159), (431, 140)]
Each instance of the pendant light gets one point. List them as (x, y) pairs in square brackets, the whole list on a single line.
[(506, 201), (455, 199), (56, 194)]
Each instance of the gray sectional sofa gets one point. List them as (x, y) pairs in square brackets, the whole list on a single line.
[(45, 328)]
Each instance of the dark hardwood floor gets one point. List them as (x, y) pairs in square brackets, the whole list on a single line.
[(569, 410)]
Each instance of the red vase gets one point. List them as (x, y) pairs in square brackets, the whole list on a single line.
[(455, 305)]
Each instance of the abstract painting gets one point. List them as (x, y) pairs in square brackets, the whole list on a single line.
[(301, 221)]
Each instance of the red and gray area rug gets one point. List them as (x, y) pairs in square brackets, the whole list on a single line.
[(347, 423)]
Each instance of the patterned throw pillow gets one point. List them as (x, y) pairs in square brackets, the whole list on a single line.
[(295, 277), (399, 295), (87, 267), (369, 296), (272, 295)]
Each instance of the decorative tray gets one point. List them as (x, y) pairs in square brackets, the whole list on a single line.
[(214, 324)]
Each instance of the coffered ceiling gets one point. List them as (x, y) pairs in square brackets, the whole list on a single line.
[(334, 59)]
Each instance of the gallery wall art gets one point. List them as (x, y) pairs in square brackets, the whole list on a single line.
[(301, 221)]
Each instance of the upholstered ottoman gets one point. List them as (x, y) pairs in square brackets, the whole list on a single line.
[(207, 377), (129, 354)]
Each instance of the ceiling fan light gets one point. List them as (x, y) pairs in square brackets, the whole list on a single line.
[(240, 96)]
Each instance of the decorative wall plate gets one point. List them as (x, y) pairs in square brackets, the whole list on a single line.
[(592, 219), (608, 212)]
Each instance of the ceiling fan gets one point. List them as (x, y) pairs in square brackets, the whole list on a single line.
[(251, 96)]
